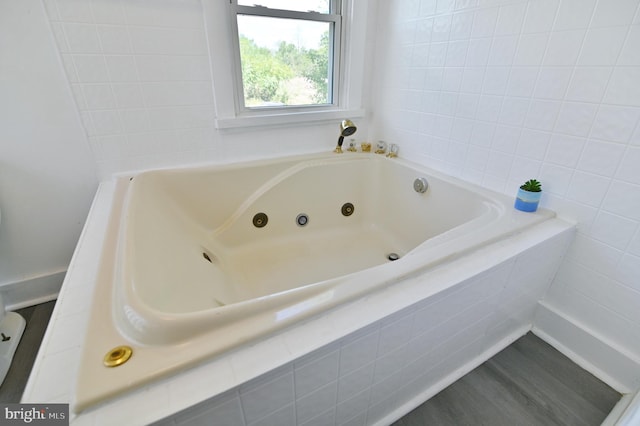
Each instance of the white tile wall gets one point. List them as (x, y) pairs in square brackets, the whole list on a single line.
[(550, 89), (140, 74), (139, 71)]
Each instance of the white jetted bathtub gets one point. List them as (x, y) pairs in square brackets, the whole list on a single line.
[(199, 261)]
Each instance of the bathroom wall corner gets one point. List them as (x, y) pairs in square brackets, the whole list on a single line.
[(598, 355), (32, 291)]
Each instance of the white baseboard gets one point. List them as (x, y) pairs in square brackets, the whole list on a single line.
[(408, 406), (596, 354), (33, 291)]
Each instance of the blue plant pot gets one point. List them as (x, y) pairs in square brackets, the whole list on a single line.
[(527, 201)]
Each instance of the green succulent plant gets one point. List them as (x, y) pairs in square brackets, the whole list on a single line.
[(532, 185)]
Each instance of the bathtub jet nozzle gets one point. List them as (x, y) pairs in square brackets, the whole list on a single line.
[(347, 128)]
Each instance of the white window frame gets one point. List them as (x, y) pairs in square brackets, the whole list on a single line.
[(333, 17), (221, 27)]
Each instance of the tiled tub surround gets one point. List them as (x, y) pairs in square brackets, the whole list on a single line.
[(157, 292), (365, 362)]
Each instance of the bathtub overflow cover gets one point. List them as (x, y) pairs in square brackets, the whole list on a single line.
[(393, 256), (117, 356), (420, 185), (302, 219), (260, 220)]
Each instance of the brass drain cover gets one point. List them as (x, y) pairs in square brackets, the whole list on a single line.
[(117, 356)]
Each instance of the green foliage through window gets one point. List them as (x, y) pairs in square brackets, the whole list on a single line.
[(288, 75)]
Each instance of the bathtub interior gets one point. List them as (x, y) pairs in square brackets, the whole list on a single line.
[(190, 242)]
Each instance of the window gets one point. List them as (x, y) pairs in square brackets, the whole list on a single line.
[(288, 53), (289, 61)]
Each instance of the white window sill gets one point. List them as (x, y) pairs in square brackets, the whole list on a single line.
[(284, 118)]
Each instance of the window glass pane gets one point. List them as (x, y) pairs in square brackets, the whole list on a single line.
[(321, 6), (284, 61)]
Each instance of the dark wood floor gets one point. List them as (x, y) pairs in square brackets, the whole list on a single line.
[(37, 319), (528, 383)]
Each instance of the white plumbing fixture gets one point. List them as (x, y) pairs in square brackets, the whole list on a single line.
[(11, 329)]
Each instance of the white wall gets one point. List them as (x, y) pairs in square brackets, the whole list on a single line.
[(500, 91), (46, 169)]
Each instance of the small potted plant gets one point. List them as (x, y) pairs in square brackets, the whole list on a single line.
[(528, 196)]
